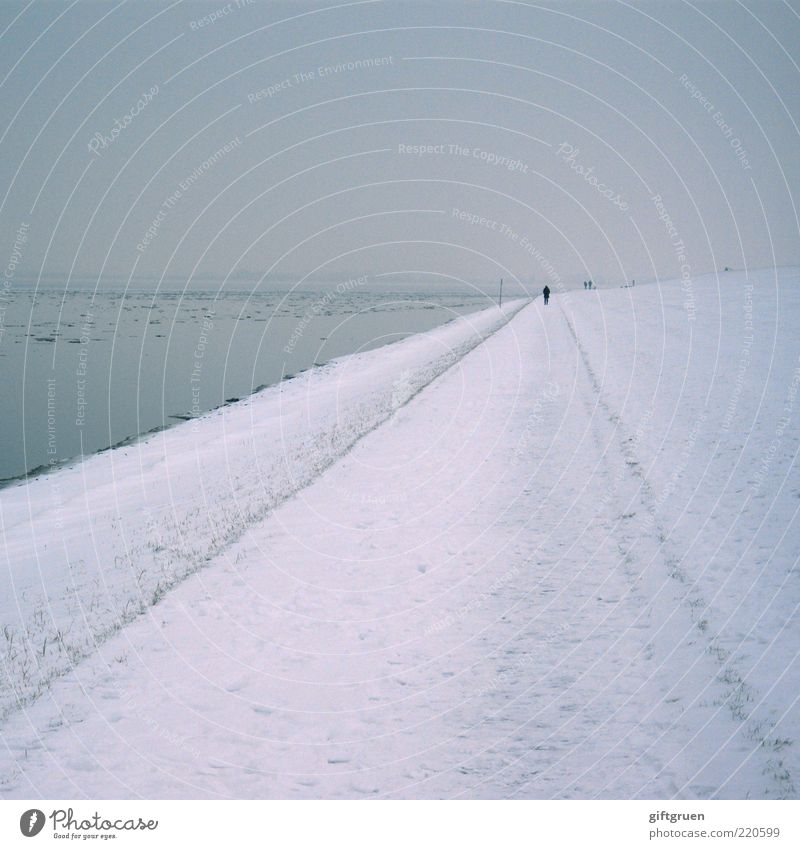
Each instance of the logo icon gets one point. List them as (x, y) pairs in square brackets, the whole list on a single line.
[(31, 822)]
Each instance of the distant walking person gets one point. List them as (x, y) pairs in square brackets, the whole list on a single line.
[(546, 293), (585, 285)]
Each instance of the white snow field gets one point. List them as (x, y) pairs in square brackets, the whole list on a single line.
[(89, 548), (543, 552)]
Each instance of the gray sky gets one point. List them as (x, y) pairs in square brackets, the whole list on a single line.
[(552, 128)]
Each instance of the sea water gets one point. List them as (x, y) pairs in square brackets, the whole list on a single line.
[(83, 371)]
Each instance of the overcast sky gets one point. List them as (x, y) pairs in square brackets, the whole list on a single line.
[(561, 141)]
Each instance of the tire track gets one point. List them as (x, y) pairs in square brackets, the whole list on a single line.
[(737, 694)]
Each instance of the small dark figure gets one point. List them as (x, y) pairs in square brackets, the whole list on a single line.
[(546, 293), (585, 285)]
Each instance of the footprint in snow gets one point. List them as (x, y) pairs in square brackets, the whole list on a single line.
[(364, 791)]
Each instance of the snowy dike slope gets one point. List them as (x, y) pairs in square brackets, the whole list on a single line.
[(566, 567), (88, 548)]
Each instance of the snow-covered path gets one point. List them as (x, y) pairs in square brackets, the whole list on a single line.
[(481, 599)]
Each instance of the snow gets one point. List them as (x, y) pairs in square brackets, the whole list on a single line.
[(543, 552), (89, 548)]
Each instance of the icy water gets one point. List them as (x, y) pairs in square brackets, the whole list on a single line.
[(82, 372)]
